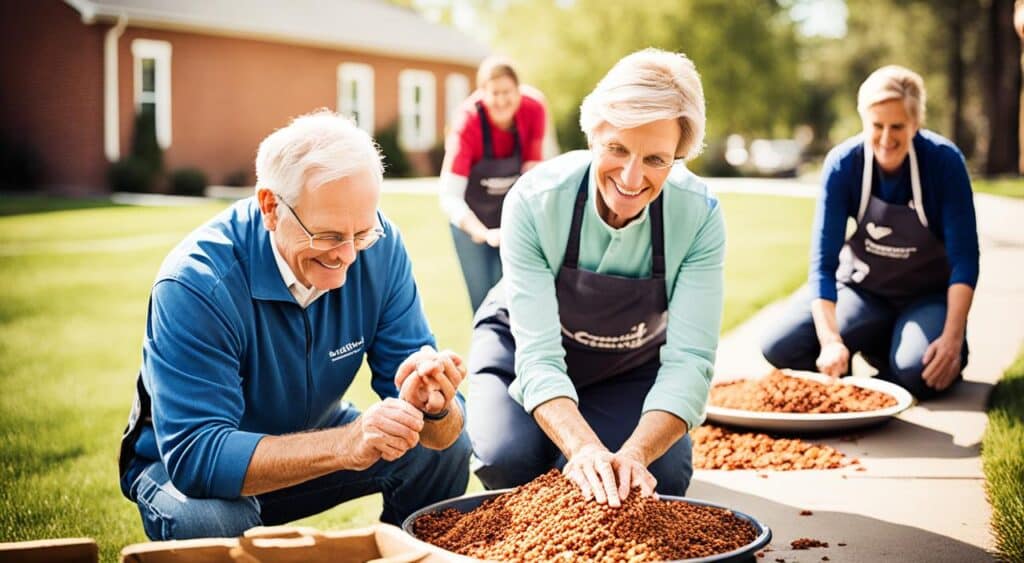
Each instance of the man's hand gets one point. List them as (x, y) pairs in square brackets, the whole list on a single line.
[(429, 379), (942, 361), (386, 431), (834, 359)]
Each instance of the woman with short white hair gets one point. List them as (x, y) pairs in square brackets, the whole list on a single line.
[(596, 350), (899, 288)]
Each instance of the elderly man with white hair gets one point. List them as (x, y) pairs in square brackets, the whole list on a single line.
[(258, 322), (899, 288), (595, 353)]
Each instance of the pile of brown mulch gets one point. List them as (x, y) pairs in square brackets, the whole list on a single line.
[(779, 392), (549, 520), (717, 448)]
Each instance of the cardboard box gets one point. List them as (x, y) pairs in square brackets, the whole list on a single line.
[(67, 550), (381, 543)]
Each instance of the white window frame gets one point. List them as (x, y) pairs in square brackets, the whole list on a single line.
[(456, 90), (410, 136), (362, 75), (160, 52)]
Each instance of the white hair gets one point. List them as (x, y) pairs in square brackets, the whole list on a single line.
[(314, 149), (646, 86), (893, 82)]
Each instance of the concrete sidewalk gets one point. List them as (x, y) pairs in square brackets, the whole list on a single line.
[(921, 496)]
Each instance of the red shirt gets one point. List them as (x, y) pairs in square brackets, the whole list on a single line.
[(465, 140)]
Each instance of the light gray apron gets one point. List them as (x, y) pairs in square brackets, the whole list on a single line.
[(893, 253)]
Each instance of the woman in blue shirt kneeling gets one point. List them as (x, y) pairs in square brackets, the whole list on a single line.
[(595, 352), (899, 288)]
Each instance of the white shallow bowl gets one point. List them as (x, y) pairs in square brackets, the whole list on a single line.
[(786, 422)]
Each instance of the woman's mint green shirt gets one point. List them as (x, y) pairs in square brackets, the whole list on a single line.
[(535, 226)]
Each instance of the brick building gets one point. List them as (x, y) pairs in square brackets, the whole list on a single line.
[(219, 75)]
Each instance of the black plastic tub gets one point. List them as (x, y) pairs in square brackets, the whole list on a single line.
[(745, 553)]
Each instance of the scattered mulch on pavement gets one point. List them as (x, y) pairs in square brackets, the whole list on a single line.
[(807, 543), (806, 513), (778, 392), (717, 448), (549, 520)]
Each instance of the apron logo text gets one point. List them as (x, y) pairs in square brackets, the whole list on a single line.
[(635, 338)]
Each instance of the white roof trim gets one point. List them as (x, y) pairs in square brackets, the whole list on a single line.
[(364, 26)]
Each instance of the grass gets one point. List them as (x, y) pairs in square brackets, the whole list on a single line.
[(1008, 187), (76, 280), (1002, 450)]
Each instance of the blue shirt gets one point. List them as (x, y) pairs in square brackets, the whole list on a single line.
[(229, 356), (945, 191), (535, 226)]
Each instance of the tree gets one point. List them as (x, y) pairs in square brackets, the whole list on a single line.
[(1002, 87), (746, 52)]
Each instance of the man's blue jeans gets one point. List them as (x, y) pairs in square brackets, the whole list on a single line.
[(420, 477), (891, 338)]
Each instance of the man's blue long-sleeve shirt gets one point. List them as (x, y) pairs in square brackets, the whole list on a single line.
[(946, 193), (228, 355)]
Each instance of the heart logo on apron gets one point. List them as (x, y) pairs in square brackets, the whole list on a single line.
[(878, 232)]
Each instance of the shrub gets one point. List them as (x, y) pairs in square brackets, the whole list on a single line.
[(130, 175), (144, 145), (436, 157), (396, 163), (712, 163), (21, 166), (188, 181), (238, 178)]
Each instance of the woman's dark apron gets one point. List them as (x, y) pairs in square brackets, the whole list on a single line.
[(892, 253), (491, 178), (610, 324)]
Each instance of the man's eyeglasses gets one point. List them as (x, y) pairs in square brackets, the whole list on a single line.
[(621, 154), (329, 241)]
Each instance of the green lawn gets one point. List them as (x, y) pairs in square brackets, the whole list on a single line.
[(76, 279), (1002, 450), (1009, 187)]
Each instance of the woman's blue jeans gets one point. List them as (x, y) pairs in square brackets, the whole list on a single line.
[(891, 338), (481, 265)]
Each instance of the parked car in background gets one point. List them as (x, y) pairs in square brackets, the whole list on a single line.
[(779, 158)]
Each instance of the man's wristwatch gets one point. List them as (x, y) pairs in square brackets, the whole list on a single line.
[(435, 417)]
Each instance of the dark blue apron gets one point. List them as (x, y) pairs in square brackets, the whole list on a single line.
[(893, 253), (610, 324), (491, 178)]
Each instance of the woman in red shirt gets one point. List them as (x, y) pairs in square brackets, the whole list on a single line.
[(497, 135)]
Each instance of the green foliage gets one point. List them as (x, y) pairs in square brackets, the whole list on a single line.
[(130, 175), (71, 332), (188, 181), (1007, 187), (746, 53), (396, 163), (21, 165), (238, 178), (141, 169), (1002, 450), (712, 163), (144, 143)]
